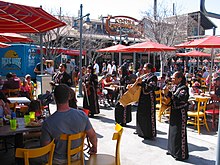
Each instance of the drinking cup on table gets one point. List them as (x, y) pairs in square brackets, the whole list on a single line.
[(32, 116), (27, 119), (13, 124)]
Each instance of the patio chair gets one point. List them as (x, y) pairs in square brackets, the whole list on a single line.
[(198, 117), (105, 159), (158, 98), (214, 112), (72, 151), (37, 152)]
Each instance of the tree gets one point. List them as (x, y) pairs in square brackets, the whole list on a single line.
[(167, 28)]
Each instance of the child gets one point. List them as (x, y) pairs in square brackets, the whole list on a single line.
[(25, 89), (35, 106)]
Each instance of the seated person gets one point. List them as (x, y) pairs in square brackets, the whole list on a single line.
[(25, 89), (66, 120), (35, 106), (10, 82), (195, 89), (110, 94), (4, 105), (30, 82), (215, 98)]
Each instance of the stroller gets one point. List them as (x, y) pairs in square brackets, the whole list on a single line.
[(45, 100)]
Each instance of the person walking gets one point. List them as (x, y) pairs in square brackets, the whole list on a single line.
[(146, 120), (90, 99), (177, 138)]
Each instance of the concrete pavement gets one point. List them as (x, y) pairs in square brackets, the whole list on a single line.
[(137, 151)]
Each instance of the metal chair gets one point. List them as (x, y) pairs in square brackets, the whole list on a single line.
[(105, 159), (37, 152)]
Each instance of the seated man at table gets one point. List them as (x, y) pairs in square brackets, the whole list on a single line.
[(107, 84), (215, 98), (11, 82), (65, 120)]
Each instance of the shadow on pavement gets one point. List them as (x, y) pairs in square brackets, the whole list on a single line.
[(162, 143), (104, 119)]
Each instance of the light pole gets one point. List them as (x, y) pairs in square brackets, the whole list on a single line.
[(80, 48)]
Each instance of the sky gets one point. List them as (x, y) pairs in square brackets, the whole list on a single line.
[(133, 8)]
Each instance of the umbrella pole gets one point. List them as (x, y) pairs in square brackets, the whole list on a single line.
[(190, 68), (134, 61), (41, 53), (210, 72), (148, 57)]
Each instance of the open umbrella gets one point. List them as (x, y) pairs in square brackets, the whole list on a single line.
[(207, 42), (194, 54), (147, 46), (15, 18), (115, 48), (13, 37), (3, 45), (184, 45)]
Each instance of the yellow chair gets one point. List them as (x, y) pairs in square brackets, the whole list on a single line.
[(72, 151), (158, 98), (13, 92), (198, 117), (37, 152), (13, 106), (104, 159)]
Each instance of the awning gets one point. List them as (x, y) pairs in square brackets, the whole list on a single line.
[(13, 37), (15, 18)]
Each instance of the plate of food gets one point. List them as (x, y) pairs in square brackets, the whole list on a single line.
[(34, 124)]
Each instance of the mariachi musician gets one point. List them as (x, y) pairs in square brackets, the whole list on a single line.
[(90, 98), (177, 139), (146, 119), (122, 113)]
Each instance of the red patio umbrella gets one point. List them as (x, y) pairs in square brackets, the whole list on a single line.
[(147, 46), (207, 42), (4, 45), (115, 48), (184, 45), (15, 18), (13, 37), (194, 54)]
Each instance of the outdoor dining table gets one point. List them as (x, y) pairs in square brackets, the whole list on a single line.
[(6, 131), (19, 100)]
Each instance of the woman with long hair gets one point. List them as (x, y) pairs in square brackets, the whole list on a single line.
[(90, 98)]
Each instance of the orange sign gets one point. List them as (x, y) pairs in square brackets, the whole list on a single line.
[(127, 25)]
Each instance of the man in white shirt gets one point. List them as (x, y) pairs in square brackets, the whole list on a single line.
[(114, 70), (109, 67), (96, 68)]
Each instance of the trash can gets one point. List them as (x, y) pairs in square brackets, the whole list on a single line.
[(43, 84)]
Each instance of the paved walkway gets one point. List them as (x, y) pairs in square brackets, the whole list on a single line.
[(137, 151)]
